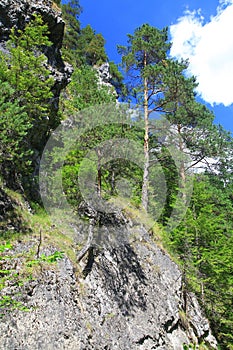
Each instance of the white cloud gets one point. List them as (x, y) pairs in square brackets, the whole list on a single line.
[(209, 48)]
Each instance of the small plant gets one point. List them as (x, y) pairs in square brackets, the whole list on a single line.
[(189, 347), (48, 259), (89, 327), (6, 302), (52, 258), (5, 246), (184, 320), (5, 272)]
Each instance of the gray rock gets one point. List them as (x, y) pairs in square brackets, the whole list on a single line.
[(105, 77), (128, 297), (10, 220), (104, 72)]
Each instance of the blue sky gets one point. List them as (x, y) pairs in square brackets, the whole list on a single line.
[(200, 31)]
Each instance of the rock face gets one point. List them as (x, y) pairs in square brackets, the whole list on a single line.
[(104, 73), (17, 13), (105, 77), (128, 297), (10, 219)]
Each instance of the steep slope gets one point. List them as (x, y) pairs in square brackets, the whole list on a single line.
[(130, 296)]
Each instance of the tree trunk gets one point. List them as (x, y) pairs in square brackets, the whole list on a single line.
[(145, 183), (89, 242), (182, 166), (99, 174)]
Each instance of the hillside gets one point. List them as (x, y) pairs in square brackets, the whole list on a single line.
[(109, 239)]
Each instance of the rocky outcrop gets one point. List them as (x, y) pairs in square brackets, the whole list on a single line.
[(10, 209), (105, 78), (17, 13), (104, 73), (122, 298)]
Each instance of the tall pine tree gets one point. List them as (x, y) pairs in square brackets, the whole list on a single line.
[(142, 59), (25, 70)]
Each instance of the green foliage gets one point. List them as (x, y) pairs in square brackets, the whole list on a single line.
[(25, 105), (70, 13), (204, 243), (7, 302), (143, 59), (172, 182), (14, 127), (112, 174), (188, 347), (117, 79), (57, 255), (5, 246), (81, 46), (192, 121), (84, 91), (91, 47), (25, 71)]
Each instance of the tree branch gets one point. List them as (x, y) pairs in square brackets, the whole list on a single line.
[(88, 244)]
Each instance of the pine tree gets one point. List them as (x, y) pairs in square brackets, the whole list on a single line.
[(14, 127), (70, 13), (160, 85), (204, 242), (25, 70), (90, 47), (142, 59), (81, 46), (192, 121), (84, 91)]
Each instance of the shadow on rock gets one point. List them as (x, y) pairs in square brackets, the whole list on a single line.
[(123, 278)]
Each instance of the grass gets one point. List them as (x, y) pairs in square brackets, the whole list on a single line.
[(184, 319), (137, 215), (17, 268), (56, 7), (41, 226)]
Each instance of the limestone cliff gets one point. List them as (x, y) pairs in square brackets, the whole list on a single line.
[(121, 298)]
